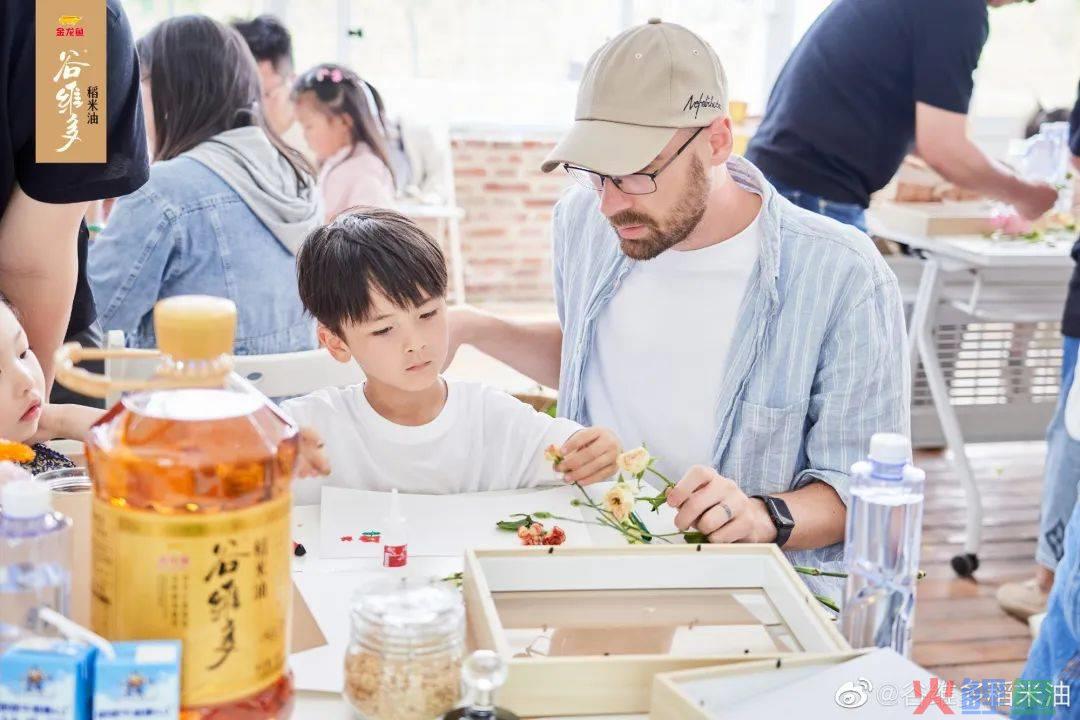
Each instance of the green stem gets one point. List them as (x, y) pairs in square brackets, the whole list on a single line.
[(827, 602), (818, 572), (660, 475)]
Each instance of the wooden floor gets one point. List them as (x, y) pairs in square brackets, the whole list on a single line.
[(960, 632)]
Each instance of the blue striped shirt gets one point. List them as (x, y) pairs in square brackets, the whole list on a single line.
[(821, 361)]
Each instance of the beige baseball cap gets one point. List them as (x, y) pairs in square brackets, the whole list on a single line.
[(637, 90)]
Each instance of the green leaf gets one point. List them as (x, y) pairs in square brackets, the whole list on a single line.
[(693, 537), (513, 525), (542, 515), (645, 534)]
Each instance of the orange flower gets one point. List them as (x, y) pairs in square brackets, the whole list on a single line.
[(552, 455), (16, 452)]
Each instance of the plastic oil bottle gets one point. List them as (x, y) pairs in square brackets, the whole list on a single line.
[(191, 517)]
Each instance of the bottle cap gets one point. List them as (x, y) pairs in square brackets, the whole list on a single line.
[(25, 498), (890, 448), (484, 673), (195, 327)]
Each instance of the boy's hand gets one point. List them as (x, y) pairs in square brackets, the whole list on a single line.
[(589, 456), (311, 459), (67, 422)]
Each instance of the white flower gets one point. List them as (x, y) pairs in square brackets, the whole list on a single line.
[(634, 461), (619, 501)]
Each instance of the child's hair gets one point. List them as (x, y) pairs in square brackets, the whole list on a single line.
[(340, 91), (367, 249)]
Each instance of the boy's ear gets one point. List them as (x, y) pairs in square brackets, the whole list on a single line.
[(337, 347)]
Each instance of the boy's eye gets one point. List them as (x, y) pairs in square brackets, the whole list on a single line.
[(429, 314), (382, 332)]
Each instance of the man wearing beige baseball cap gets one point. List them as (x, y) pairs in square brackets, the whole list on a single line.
[(752, 346)]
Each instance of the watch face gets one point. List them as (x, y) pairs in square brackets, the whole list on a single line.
[(780, 512)]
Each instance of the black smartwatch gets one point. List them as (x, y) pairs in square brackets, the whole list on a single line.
[(781, 517)]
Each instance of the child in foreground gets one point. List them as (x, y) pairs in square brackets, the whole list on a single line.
[(376, 284)]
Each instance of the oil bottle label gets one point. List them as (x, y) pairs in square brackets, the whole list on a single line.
[(219, 583)]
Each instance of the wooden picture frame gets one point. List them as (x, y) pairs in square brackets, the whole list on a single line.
[(683, 695), (614, 617)]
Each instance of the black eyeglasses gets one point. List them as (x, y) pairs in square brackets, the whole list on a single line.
[(641, 183)]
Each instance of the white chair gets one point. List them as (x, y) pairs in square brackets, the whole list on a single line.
[(276, 376)]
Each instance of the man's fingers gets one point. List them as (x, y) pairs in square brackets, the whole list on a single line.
[(694, 478), (735, 531)]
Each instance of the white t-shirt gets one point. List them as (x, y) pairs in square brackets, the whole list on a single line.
[(660, 350), (483, 439)]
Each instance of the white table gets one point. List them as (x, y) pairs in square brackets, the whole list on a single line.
[(1010, 281), (448, 233), (314, 705)]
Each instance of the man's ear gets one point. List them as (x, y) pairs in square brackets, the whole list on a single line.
[(721, 140), (337, 347)]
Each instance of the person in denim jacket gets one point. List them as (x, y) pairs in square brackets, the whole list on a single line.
[(227, 205)]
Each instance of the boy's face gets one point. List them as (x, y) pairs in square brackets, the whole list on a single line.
[(404, 348), (22, 384)]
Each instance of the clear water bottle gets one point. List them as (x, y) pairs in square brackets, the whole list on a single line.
[(884, 528), (35, 559)]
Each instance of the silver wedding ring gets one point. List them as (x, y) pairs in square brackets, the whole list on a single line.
[(727, 510)]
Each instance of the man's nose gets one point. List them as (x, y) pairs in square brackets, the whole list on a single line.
[(613, 200)]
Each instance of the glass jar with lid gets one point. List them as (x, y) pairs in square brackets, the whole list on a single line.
[(405, 650)]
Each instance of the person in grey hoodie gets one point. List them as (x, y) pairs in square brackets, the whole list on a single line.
[(227, 206)]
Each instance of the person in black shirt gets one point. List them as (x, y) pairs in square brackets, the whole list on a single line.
[(1062, 474), (868, 79), (43, 234)]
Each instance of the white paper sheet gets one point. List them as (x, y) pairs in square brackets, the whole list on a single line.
[(439, 525)]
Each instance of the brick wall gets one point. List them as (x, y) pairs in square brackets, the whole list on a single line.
[(506, 232)]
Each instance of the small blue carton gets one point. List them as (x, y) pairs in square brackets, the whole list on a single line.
[(142, 681), (46, 679)]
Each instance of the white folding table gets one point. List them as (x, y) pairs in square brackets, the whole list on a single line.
[(1008, 281)]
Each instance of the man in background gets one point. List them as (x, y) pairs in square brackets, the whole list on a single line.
[(271, 44), (868, 79)]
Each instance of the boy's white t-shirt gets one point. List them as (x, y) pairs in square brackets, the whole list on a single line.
[(483, 439)]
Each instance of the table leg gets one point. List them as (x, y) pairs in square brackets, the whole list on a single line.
[(923, 340), (925, 297)]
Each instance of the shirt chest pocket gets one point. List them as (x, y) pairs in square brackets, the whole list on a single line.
[(766, 447)]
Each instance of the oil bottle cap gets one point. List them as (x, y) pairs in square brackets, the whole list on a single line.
[(195, 327), (25, 499)]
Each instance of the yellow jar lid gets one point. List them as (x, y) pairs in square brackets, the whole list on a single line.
[(195, 327)]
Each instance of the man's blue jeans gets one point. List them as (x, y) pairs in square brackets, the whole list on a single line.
[(1062, 477), (849, 213)]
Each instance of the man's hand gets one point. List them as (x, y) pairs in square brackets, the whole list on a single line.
[(1036, 200), (715, 506), (311, 459), (589, 456)]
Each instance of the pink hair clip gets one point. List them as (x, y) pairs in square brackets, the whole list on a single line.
[(335, 76)]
